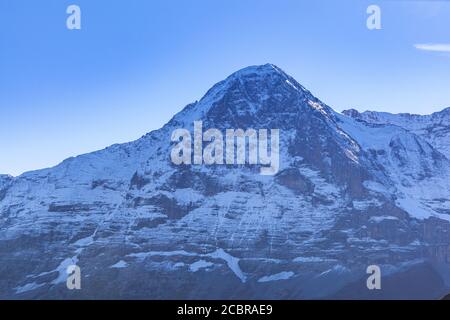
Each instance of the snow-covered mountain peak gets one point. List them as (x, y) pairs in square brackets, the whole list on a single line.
[(256, 95), (348, 193), (265, 74), (263, 69)]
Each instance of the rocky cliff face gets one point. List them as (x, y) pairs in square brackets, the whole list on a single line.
[(348, 194)]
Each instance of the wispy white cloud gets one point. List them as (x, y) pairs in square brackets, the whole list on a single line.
[(436, 47)]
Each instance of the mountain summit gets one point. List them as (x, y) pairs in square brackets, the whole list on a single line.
[(252, 94), (349, 193)]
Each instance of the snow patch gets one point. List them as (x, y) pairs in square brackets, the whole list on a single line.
[(276, 277), (62, 269), (200, 264), (382, 218), (312, 259), (233, 263), (119, 265)]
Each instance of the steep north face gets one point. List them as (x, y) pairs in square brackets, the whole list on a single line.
[(348, 194)]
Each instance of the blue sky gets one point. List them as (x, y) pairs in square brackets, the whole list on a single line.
[(135, 63)]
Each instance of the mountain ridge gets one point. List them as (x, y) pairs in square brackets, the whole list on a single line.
[(434, 128), (348, 194)]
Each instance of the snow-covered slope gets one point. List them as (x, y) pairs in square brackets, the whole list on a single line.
[(434, 128), (348, 194)]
